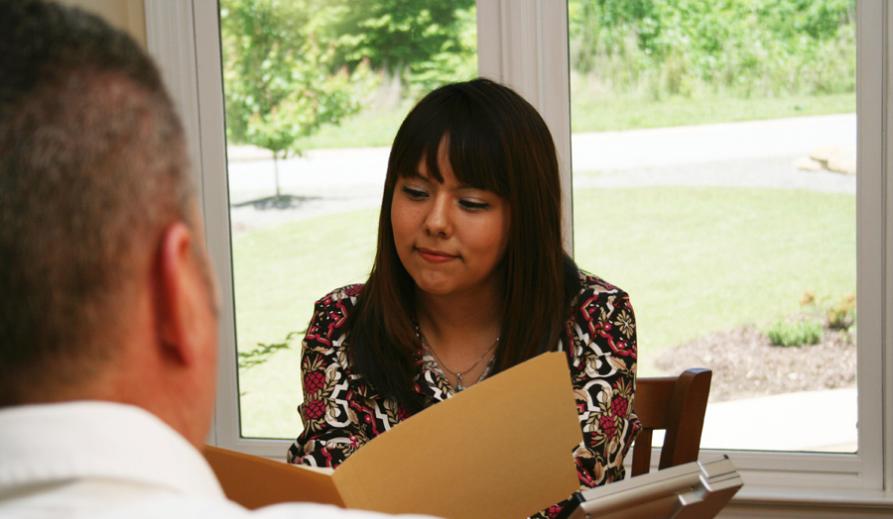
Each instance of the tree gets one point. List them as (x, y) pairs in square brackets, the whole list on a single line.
[(423, 42), (744, 47), (281, 80)]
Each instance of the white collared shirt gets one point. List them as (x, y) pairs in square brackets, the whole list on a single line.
[(100, 459)]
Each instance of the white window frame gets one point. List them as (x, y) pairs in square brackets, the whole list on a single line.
[(524, 44)]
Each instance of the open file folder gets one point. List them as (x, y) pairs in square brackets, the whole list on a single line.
[(501, 448), (690, 491)]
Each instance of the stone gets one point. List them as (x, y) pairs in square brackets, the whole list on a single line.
[(808, 164), (836, 159), (843, 163)]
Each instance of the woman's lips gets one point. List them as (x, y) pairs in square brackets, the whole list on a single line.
[(434, 256)]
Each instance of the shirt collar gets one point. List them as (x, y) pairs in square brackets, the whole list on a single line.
[(430, 383), (56, 442)]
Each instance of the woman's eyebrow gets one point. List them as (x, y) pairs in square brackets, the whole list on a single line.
[(464, 186), (418, 175)]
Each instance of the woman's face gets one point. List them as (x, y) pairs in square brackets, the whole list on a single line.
[(449, 237)]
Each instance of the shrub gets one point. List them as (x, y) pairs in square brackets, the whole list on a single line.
[(842, 315), (796, 333), (746, 48)]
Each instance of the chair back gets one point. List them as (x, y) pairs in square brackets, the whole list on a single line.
[(677, 405)]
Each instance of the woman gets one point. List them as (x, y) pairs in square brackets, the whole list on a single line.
[(469, 279)]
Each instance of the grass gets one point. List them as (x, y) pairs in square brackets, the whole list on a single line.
[(374, 127), (278, 273), (594, 113), (726, 257), (591, 112), (697, 260)]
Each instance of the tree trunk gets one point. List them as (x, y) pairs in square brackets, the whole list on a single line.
[(276, 171)]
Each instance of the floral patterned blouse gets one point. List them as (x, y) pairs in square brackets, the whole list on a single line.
[(341, 412)]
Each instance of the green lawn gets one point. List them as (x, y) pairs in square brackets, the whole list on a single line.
[(592, 113), (278, 273), (694, 261), (701, 260), (370, 128)]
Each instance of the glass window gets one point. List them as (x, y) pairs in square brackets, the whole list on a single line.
[(314, 93), (524, 44), (714, 180)]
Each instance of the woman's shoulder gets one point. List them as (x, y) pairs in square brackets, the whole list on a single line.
[(603, 318), (331, 312), (592, 286), (597, 299), (343, 298)]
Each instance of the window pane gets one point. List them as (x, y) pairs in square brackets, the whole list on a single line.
[(714, 179), (315, 91)]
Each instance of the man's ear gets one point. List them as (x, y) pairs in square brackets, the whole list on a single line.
[(178, 292)]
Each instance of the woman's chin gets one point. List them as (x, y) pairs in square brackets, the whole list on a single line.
[(435, 286), (435, 289)]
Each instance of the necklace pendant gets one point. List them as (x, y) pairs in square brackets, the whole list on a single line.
[(459, 386)]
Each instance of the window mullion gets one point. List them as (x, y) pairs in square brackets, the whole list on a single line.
[(871, 113), (523, 43), (217, 217), (886, 395)]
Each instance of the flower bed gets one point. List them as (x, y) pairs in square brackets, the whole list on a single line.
[(745, 364)]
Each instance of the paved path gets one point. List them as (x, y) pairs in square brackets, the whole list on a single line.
[(792, 421), (788, 422), (659, 147), (747, 154)]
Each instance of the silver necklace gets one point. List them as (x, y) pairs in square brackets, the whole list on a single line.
[(458, 374)]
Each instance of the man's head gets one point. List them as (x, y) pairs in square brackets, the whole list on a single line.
[(105, 291)]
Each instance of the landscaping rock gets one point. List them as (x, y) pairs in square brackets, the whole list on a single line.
[(808, 164), (830, 158)]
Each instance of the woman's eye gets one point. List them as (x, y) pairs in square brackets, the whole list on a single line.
[(473, 205), (415, 193)]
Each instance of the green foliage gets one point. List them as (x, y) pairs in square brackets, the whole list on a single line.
[(816, 313), (795, 333), (748, 47), (281, 83), (423, 42)]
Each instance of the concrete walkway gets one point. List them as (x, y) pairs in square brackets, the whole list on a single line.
[(747, 154), (741, 141), (805, 421), (808, 421)]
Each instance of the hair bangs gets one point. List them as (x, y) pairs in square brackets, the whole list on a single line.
[(474, 146), (475, 153)]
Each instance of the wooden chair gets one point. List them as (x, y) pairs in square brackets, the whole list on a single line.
[(677, 405)]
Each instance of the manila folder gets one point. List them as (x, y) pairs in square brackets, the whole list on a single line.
[(501, 448)]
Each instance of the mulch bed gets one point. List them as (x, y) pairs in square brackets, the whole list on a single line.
[(745, 364)]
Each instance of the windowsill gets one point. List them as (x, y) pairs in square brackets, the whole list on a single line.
[(807, 497), (751, 496)]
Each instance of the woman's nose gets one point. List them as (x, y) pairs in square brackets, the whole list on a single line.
[(437, 221)]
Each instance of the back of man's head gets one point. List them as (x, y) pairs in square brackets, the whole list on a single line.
[(92, 170)]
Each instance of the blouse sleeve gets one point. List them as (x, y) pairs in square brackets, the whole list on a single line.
[(603, 367), (602, 357), (333, 428)]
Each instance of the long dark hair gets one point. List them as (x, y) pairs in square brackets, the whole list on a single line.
[(498, 142)]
